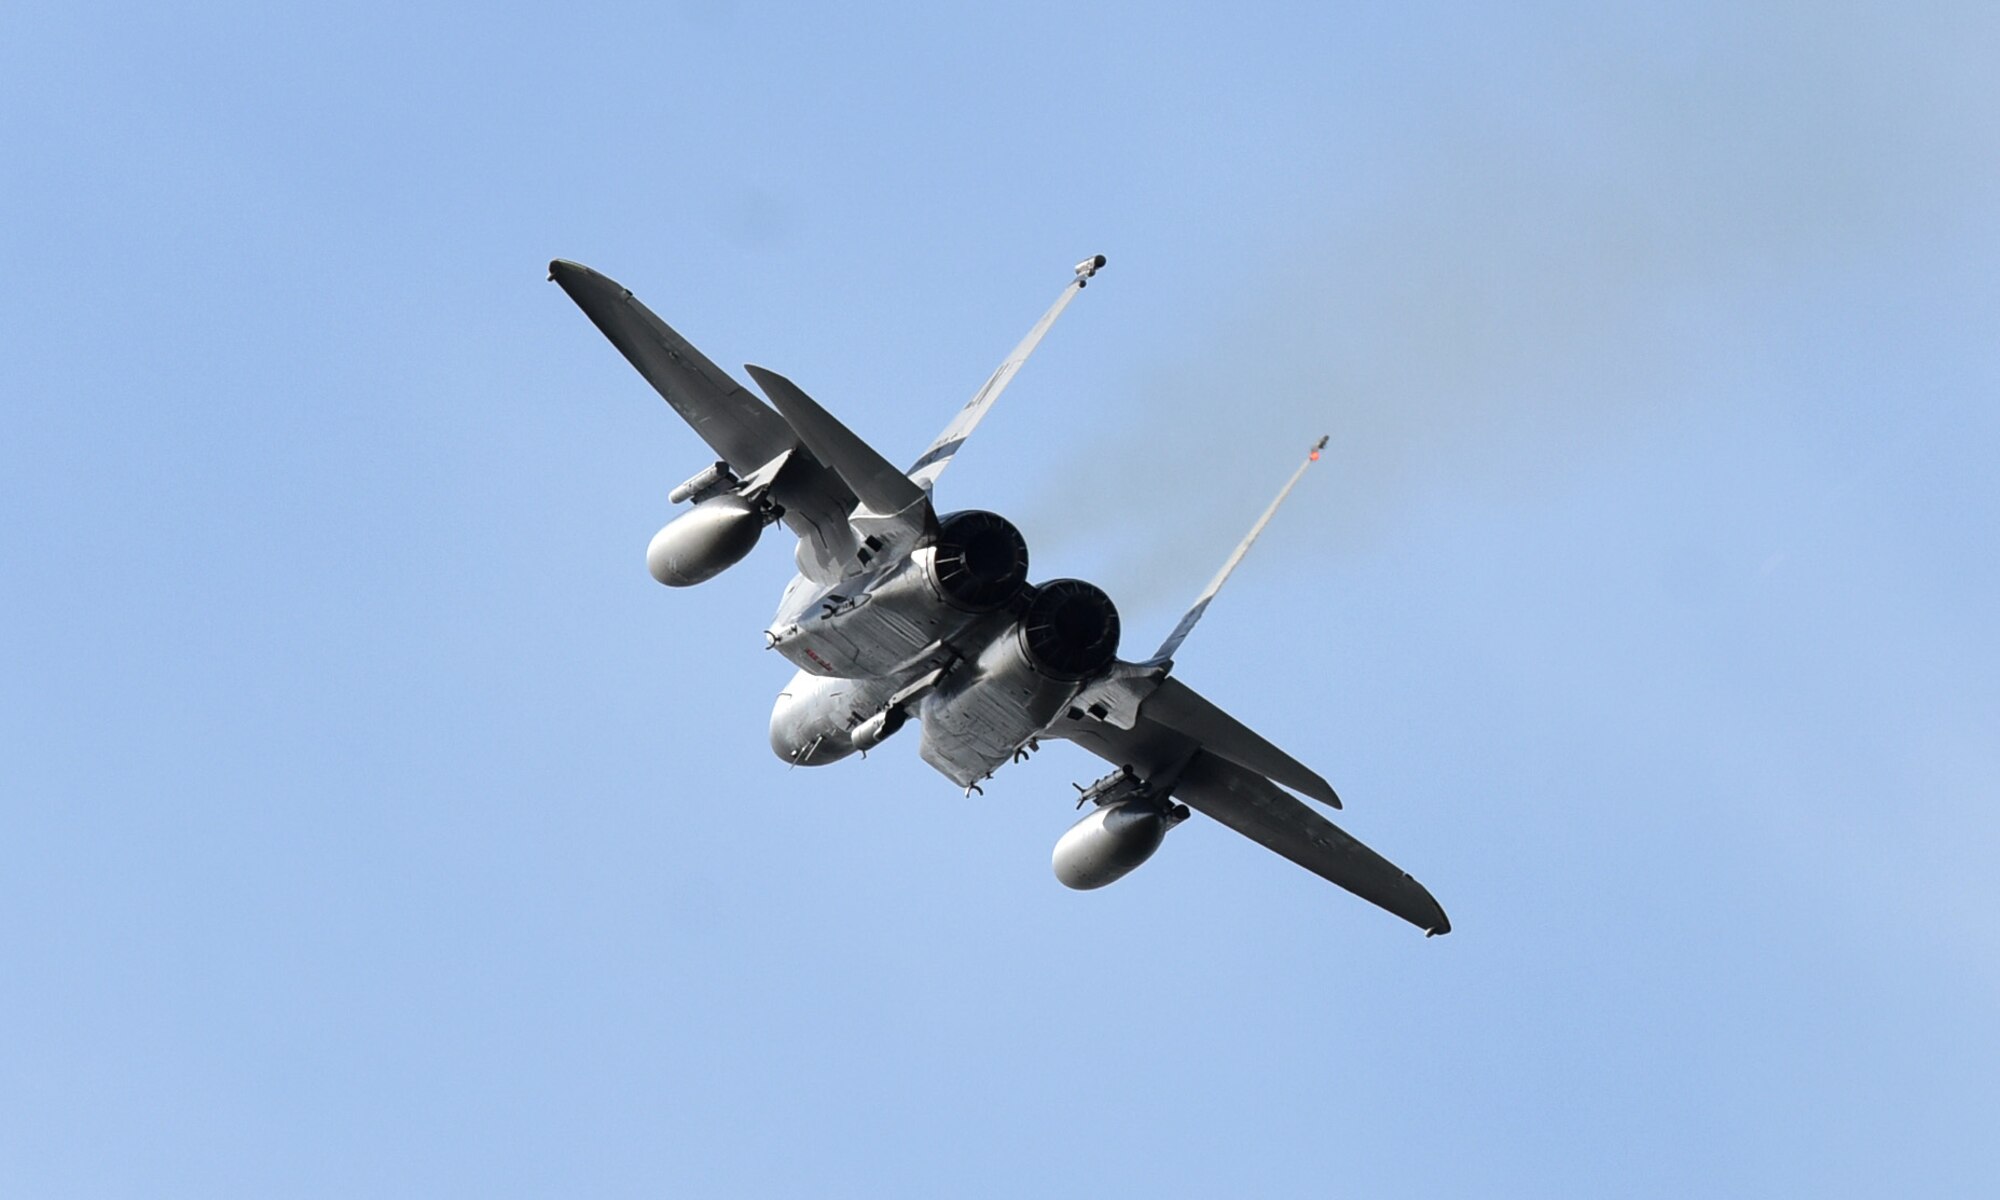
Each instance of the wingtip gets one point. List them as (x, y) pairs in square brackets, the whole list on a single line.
[(581, 281), (1319, 789), (1441, 925)]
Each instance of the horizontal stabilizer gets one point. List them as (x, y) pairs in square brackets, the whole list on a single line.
[(1260, 811), (881, 488), (1183, 710)]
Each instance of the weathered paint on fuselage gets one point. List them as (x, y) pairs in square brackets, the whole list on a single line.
[(980, 715), (856, 643), (860, 642), (869, 625)]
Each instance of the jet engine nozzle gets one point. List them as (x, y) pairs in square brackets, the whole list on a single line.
[(977, 562), (1070, 630), (703, 542), (1109, 842)]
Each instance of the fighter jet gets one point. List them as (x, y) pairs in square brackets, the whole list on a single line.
[(900, 612)]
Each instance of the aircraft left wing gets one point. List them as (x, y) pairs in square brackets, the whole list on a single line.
[(1179, 743), (1259, 810), (1211, 783), (1179, 707)]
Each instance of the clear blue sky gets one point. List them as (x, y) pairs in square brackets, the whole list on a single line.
[(370, 824)]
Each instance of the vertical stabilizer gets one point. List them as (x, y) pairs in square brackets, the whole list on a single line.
[(1179, 635), (937, 457)]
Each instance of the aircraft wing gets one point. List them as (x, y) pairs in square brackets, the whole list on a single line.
[(740, 427), (1207, 779), (1261, 811)]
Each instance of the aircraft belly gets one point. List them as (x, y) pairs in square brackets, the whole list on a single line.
[(977, 726), (886, 638), (884, 629), (870, 640)]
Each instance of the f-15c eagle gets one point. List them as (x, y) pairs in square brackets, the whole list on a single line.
[(900, 612)]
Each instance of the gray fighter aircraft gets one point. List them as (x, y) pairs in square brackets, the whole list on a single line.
[(900, 612)]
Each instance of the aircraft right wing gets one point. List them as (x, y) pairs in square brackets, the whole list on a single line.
[(738, 426), (812, 466)]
